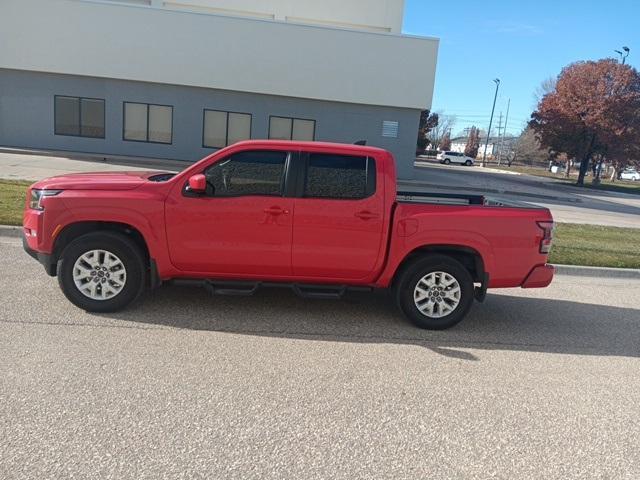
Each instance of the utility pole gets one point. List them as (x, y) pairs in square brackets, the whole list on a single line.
[(499, 128), (504, 132), (486, 145)]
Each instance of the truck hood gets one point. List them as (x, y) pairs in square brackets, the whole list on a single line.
[(96, 181)]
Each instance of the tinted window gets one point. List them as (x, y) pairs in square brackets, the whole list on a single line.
[(148, 123), (247, 173), (225, 128), (92, 118), (79, 116), (67, 116), (339, 176), (284, 128)]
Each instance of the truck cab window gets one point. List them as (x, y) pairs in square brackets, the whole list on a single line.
[(339, 177), (247, 173)]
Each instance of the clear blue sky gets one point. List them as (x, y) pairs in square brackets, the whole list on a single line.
[(520, 42)]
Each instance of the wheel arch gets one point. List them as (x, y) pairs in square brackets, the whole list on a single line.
[(468, 257), (77, 229)]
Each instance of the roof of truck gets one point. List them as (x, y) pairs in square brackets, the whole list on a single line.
[(294, 144)]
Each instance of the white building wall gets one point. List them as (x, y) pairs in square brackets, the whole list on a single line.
[(125, 41), (378, 15)]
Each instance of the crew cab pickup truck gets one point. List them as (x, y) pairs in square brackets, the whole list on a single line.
[(320, 218)]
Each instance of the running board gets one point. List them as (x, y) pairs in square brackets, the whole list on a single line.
[(327, 292), (242, 288)]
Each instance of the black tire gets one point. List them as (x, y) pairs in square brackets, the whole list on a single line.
[(121, 246), (446, 161), (468, 163), (406, 284)]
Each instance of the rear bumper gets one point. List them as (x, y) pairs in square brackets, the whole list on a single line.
[(540, 277), (44, 258)]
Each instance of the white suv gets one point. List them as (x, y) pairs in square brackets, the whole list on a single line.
[(630, 174), (455, 157)]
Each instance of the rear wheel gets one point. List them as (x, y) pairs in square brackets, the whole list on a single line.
[(468, 163), (435, 292), (101, 272)]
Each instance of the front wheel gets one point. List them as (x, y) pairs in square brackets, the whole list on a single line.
[(468, 163), (435, 293), (101, 272), (446, 161)]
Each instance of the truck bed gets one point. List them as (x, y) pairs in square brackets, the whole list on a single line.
[(458, 199)]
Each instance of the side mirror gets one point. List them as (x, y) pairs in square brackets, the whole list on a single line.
[(197, 183)]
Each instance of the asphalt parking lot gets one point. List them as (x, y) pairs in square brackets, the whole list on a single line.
[(533, 384)]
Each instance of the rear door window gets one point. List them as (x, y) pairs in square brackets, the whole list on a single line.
[(339, 176)]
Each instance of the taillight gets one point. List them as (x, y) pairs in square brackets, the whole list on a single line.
[(547, 237)]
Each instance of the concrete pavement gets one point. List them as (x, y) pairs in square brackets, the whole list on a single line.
[(23, 165), (534, 384)]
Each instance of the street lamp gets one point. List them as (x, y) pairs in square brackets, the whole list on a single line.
[(484, 157), (623, 54)]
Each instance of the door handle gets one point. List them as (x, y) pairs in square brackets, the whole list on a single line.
[(275, 211), (366, 215)]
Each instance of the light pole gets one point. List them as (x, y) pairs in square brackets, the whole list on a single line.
[(484, 157), (623, 54)]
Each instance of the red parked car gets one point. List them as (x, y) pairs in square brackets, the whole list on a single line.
[(321, 218)]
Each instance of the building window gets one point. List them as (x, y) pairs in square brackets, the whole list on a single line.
[(78, 116), (252, 172), (148, 123), (284, 128), (224, 128), (339, 177)]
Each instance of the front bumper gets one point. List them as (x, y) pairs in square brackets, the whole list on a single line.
[(44, 258), (540, 277)]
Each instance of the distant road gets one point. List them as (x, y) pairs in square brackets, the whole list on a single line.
[(568, 204)]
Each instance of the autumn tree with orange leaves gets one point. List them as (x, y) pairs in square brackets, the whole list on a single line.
[(445, 143), (473, 143), (592, 113)]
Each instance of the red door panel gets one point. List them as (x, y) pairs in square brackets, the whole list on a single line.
[(338, 222), (241, 226), (237, 235), (337, 238)]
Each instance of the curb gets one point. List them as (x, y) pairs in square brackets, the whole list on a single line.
[(601, 272), (10, 231)]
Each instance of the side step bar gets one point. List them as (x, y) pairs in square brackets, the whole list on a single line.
[(240, 288)]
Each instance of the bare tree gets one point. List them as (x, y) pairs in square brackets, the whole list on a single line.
[(528, 151), (547, 86), (443, 128)]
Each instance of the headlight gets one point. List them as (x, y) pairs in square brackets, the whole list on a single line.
[(35, 202)]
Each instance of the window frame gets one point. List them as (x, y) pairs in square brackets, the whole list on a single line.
[(124, 126), (287, 182), (79, 134), (293, 119), (226, 139), (303, 171)]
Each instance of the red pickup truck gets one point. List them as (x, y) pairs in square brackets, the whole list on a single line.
[(320, 218)]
